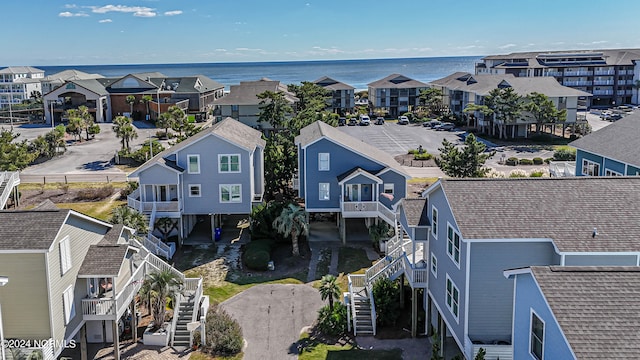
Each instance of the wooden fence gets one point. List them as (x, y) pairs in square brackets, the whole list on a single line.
[(97, 177)]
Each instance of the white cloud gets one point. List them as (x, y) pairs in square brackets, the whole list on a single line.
[(506, 46), (221, 50), (320, 50), (173, 12), (70, 14), (70, 6), (140, 11), (105, 21), (248, 49), (599, 42)]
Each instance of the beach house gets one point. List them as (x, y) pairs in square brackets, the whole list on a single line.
[(17, 83)]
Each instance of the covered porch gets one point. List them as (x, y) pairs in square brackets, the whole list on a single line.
[(364, 195)]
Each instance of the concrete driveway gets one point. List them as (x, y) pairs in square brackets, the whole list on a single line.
[(272, 317)]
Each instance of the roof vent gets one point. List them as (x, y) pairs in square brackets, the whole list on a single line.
[(595, 232)]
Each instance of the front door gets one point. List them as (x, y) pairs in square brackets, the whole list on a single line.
[(353, 192), (161, 192), (365, 192)]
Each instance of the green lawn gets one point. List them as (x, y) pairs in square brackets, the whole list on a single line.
[(351, 260), (220, 293), (311, 349), (99, 209)]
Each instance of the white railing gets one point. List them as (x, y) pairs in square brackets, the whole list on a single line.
[(196, 301), (11, 181), (115, 307), (502, 352), (562, 169), (133, 200), (176, 314), (386, 213), (100, 307), (372, 304), (415, 276), (148, 206), (355, 206)]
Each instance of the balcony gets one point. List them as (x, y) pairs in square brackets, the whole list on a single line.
[(134, 201), (578, 73), (576, 83), (602, 92), (602, 82), (552, 73), (604, 72), (362, 209)]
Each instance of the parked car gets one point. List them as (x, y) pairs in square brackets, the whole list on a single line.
[(342, 121), (445, 127), (432, 124), (615, 117), (352, 122), (403, 120), (379, 120), (364, 120)]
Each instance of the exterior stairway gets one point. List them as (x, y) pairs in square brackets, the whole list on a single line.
[(8, 180), (362, 319), (185, 316)]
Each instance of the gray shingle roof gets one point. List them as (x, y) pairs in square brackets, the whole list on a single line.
[(562, 209), (483, 84), (71, 74), (228, 129), (113, 235), (619, 141), (396, 81), (414, 210), (30, 230), (247, 92), (596, 307), (20, 70), (187, 84), (103, 260), (331, 84), (94, 85), (319, 129)]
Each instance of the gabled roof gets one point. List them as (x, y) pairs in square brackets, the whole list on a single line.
[(619, 141), (415, 212), (188, 84), (331, 84), (565, 210), (482, 84), (20, 70), (355, 172), (396, 81), (93, 85), (597, 308), (319, 129), (30, 229), (247, 92), (228, 129), (71, 74), (103, 260)]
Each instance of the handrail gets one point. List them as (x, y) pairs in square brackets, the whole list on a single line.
[(176, 315), (196, 301), (125, 297), (353, 305), (12, 181), (372, 303)]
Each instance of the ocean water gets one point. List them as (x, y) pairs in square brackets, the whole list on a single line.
[(357, 73)]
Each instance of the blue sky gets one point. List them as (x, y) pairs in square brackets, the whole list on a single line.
[(50, 32)]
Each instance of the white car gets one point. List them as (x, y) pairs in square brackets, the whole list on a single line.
[(364, 120), (403, 120)]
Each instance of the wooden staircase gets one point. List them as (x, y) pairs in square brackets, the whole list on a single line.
[(182, 336)]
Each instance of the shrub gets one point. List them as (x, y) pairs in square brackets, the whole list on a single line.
[(424, 156), (512, 161), (333, 323), (539, 173), (386, 294), (525, 162), (262, 217), (409, 115), (537, 161), (95, 193), (256, 254), (565, 154), (548, 160), (224, 334), (517, 173)]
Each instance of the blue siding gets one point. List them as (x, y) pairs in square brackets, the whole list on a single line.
[(301, 173), (446, 266), (528, 297), (403, 221), (632, 170), (613, 165), (490, 293), (341, 160), (589, 156), (156, 175), (400, 187), (600, 260), (209, 202)]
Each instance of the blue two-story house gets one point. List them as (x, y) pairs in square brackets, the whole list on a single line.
[(481, 227), (340, 174), (568, 312), (611, 151), (218, 171)]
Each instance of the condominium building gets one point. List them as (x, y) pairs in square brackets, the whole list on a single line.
[(609, 75), (17, 83)]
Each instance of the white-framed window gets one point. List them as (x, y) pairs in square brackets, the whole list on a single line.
[(323, 191), (195, 190), (453, 296), (609, 172), (590, 168), (229, 163), (65, 254), (323, 161), (230, 193), (434, 266), (389, 188), (453, 244), (434, 222), (536, 343), (193, 164), (69, 305)]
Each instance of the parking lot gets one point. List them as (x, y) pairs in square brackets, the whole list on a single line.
[(396, 139)]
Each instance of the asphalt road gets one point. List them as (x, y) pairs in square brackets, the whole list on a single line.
[(272, 317), (398, 139)]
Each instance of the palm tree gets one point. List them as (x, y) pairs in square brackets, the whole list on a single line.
[(87, 119), (292, 222), (124, 130), (145, 100), (165, 120), (130, 100), (75, 124), (178, 119), (131, 218), (157, 288), (329, 289)]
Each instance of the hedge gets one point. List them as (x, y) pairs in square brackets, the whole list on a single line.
[(257, 254), (537, 161), (512, 161), (525, 162)]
